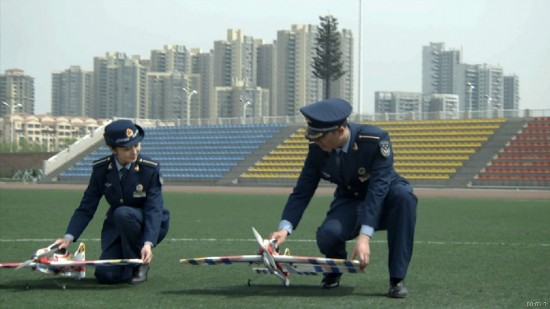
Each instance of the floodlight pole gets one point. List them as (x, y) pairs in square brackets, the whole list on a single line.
[(245, 105), (470, 89), (189, 95)]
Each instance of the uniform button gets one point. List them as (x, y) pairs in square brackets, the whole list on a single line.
[(121, 201), (349, 187), (356, 194)]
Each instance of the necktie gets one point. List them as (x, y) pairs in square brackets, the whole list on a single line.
[(123, 172), (340, 162)]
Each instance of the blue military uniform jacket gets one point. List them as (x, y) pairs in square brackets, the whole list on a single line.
[(367, 176), (142, 189)]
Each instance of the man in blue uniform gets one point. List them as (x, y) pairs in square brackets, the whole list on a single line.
[(136, 220), (369, 195)]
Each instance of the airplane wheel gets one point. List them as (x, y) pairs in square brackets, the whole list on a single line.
[(249, 283), (27, 287), (287, 282)]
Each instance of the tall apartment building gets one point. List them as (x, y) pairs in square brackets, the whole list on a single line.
[(511, 92), (398, 102), (202, 65), (235, 72), (234, 60), (490, 84), (72, 92), (265, 75), (439, 67), (441, 106), (296, 85), (275, 79), (466, 87), (480, 87), (171, 58), (120, 86), (16, 92), (172, 95), (173, 92)]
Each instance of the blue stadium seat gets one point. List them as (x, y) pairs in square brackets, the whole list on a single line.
[(198, 152)]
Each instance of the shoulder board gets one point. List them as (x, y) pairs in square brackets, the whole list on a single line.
[(102, 161), (367, 137), (148, 162)]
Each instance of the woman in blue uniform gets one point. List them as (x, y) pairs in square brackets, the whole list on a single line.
[(136, 220)]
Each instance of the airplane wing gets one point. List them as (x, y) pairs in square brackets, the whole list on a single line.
[(49, 250), (112, 262), (216, 260), (16, 265), (309, 269), (74, 263), (309, 264)]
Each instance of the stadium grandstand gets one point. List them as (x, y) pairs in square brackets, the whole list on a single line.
[(452, 152)]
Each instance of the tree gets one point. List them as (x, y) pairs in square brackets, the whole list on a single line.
[(327, 64)]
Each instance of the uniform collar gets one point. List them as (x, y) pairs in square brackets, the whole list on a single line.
[(119, 166), (346, 145)]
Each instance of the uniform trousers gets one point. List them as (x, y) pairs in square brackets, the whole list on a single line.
[(129, 224), (398, 217)]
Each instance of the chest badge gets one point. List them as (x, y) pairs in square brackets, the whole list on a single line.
[(139, 193), (363, 175)]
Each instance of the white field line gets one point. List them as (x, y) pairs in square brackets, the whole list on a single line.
[(418, 242)]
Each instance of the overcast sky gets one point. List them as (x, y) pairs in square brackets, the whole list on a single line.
[(44, 36)]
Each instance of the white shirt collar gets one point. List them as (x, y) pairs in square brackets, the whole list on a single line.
[(345, 147), (119, 165)]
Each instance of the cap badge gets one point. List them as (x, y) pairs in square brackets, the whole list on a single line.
[(129, 132)]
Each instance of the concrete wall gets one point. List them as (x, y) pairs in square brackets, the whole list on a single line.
[(12, 162)]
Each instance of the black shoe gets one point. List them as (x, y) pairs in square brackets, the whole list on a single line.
[(398, 290), (331, 281), (140, 274)]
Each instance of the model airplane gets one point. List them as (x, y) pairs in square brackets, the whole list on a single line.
[(54, 261), (281, 265)]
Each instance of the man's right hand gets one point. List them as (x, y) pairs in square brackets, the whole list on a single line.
[(362, 250), (279, 236), (63, 242)]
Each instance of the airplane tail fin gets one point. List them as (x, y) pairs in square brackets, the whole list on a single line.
[(80, 255)]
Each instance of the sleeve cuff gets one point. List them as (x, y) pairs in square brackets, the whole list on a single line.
[(69, 237), (285, 224), (367, 230)]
